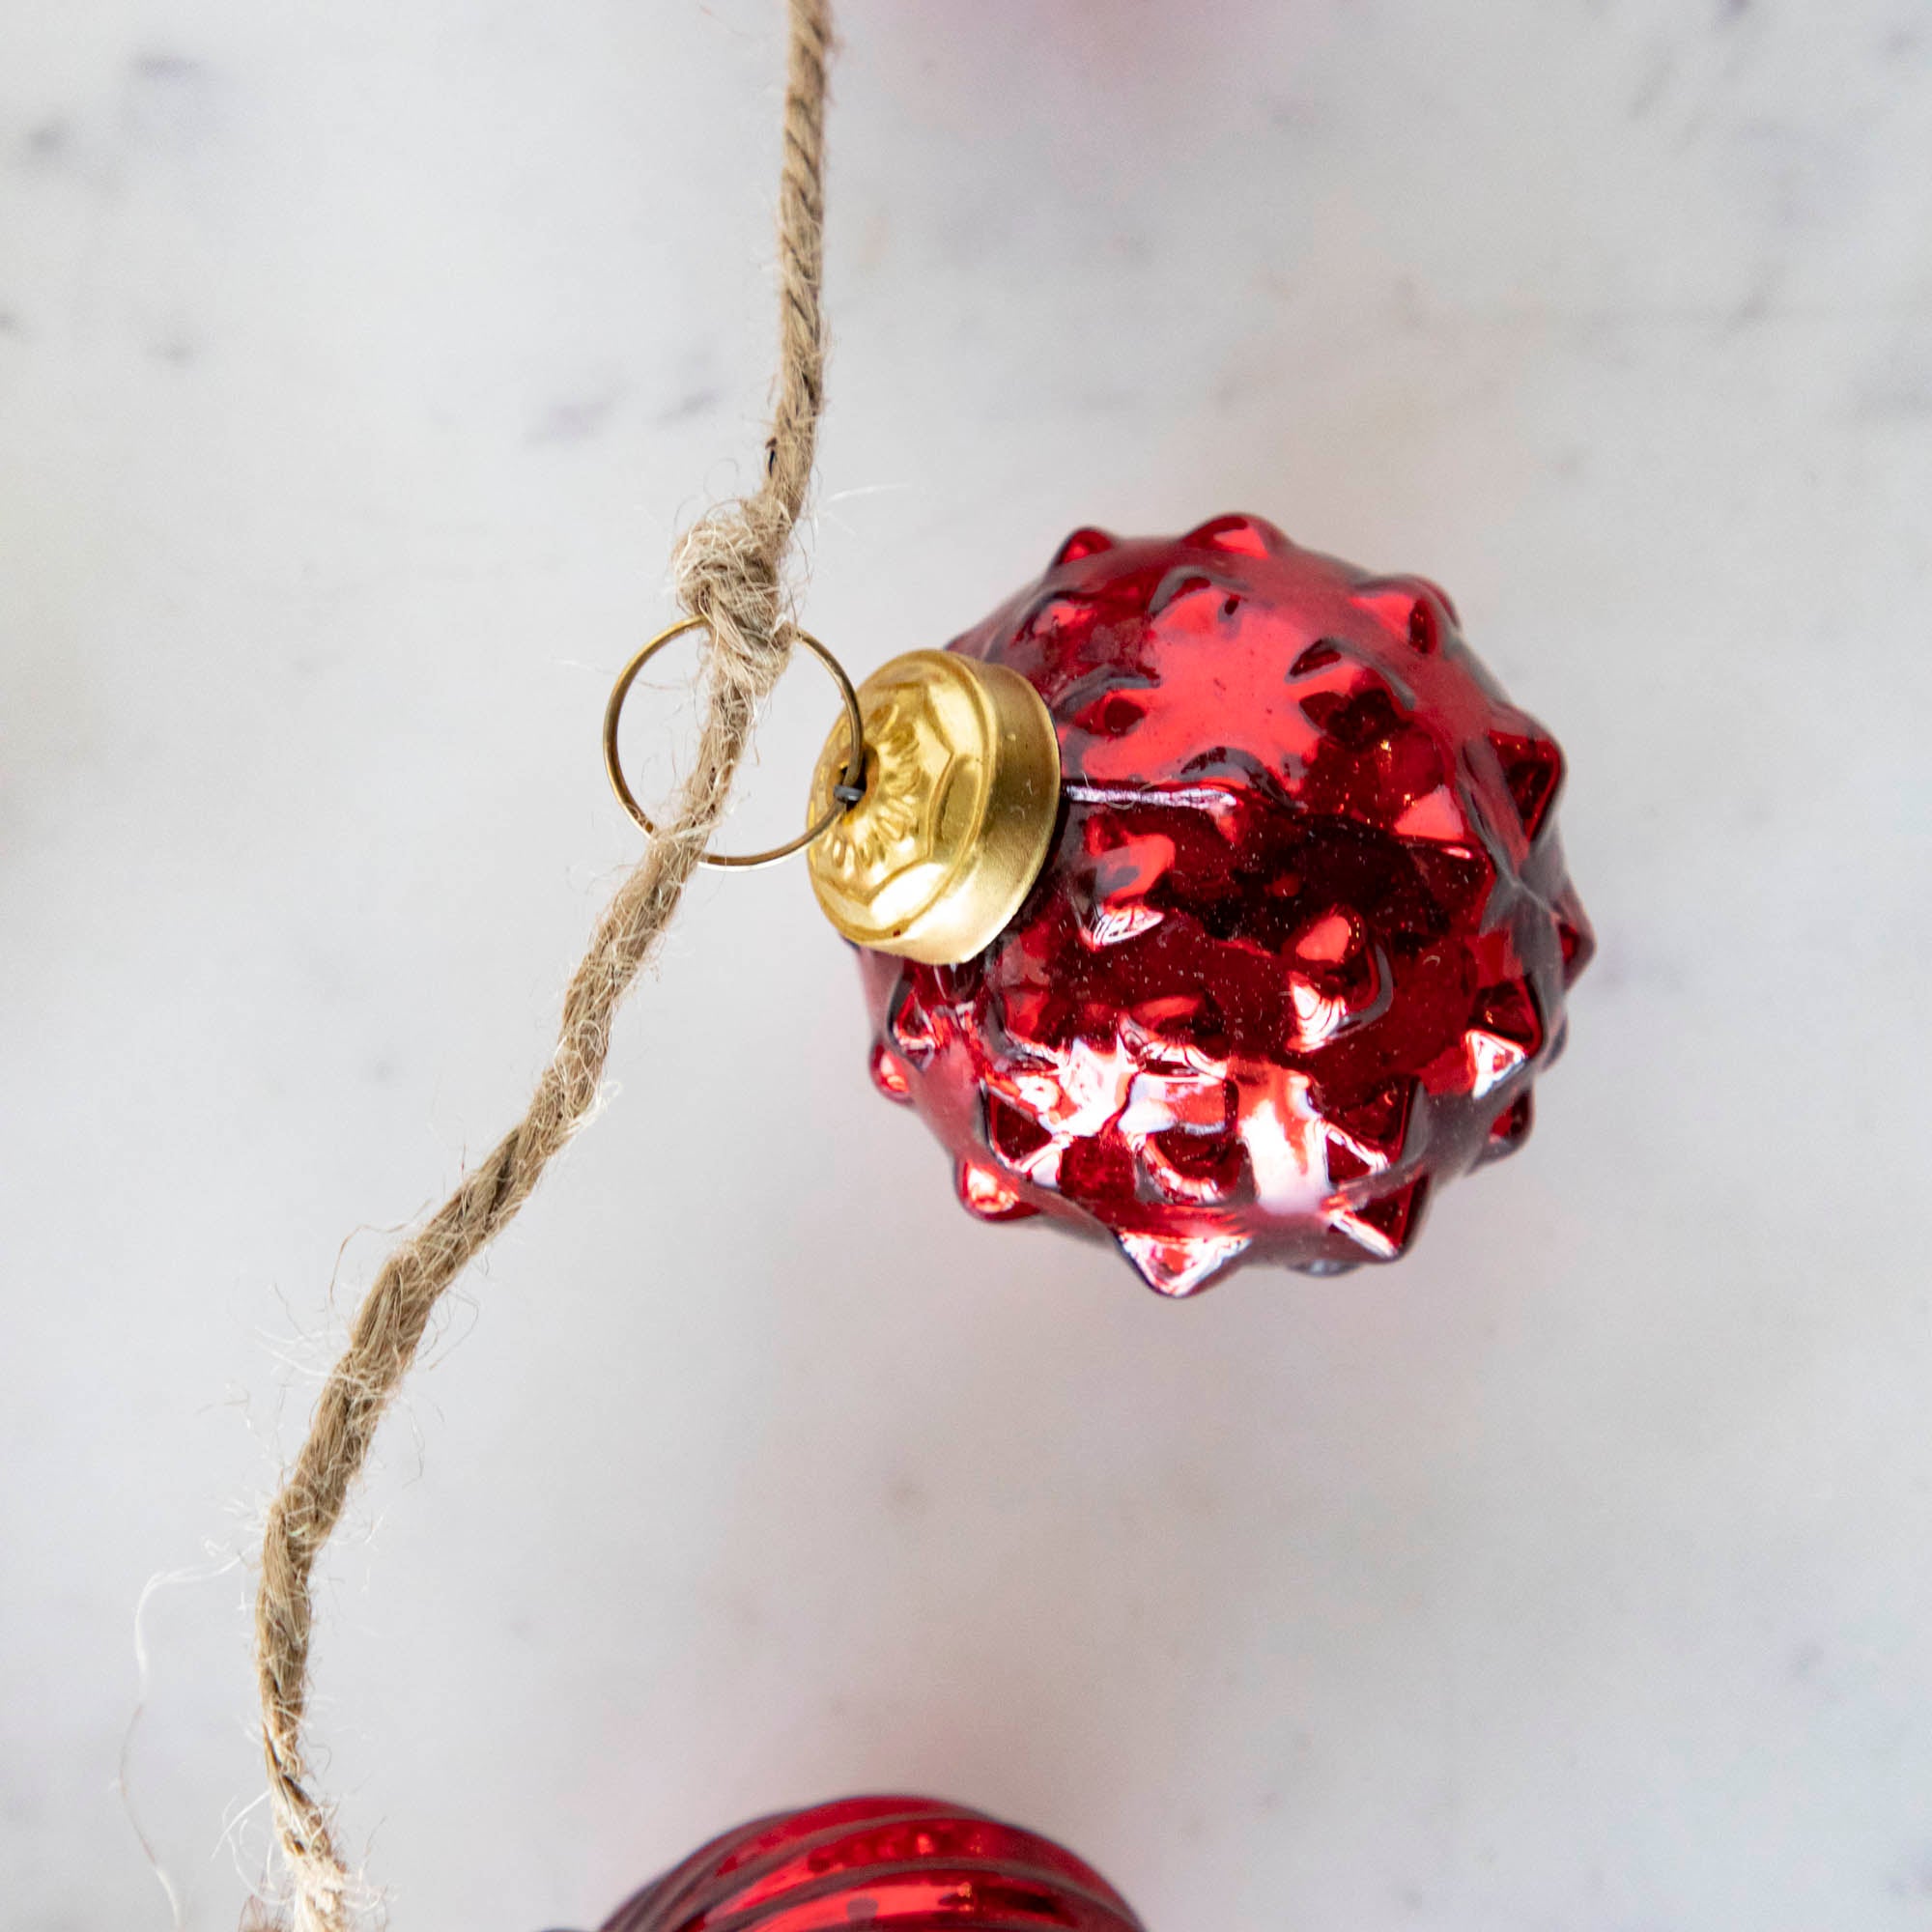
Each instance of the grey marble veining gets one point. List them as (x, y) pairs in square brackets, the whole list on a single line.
[(357, 367)]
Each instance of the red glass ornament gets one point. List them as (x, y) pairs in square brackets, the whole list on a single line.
[(1301, 943), (907, 1863)]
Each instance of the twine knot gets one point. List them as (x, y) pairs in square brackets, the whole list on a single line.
[(726, 570)]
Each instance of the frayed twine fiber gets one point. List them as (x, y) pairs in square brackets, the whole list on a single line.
[(728, 572)]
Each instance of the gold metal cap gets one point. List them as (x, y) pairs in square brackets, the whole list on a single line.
[(962, 787)]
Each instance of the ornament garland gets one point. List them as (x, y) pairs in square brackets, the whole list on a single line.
[(1207, 899)]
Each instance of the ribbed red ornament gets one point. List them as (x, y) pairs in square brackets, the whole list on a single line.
[(1302, 941), (907, 1863)]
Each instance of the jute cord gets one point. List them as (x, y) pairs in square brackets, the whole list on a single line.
[(728, 571)]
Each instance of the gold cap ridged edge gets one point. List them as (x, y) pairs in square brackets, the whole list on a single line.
[(1018, 809)]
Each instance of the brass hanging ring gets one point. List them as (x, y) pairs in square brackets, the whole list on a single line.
[(844, 797)]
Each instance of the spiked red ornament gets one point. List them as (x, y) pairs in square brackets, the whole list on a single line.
[(1301, 942), (899, 1864)]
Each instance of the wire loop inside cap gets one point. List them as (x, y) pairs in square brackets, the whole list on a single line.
[(844, 795)]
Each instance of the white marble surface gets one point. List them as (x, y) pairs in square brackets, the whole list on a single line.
[(356, 363)]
